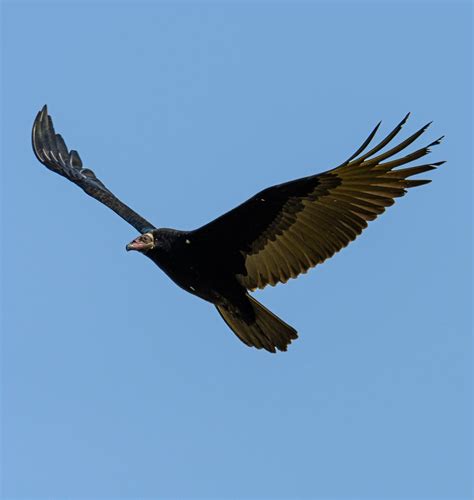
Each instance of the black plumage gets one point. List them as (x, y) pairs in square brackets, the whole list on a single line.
[(275, 235)]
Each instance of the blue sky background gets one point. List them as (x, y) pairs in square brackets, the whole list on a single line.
[(117, 383)]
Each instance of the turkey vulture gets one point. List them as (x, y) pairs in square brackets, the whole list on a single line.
[(275, 235)]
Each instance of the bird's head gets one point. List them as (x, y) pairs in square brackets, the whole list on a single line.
[(143, 243)]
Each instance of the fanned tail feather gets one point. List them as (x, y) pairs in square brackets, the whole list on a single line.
[(264, 331)]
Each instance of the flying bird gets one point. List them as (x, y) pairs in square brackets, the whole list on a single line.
[(275, 235)]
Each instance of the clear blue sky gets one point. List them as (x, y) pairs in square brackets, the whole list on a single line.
[(117, 383)]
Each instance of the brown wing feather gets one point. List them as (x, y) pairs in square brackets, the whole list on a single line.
[(310, 228)]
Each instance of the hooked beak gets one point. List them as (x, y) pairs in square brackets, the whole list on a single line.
[(131, 246), (140, 244)]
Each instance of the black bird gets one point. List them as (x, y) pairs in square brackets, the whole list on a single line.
[(275, 235)]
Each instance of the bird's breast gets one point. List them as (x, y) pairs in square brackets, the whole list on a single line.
[(192, 269)]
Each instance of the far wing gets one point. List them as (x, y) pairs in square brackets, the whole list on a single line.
[(52, 152), (288, 228)]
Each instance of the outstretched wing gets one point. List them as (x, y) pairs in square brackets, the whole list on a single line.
[(288, 228), (52, 152)]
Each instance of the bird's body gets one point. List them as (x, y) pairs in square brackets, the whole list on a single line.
[(275, 235), (187, 260)]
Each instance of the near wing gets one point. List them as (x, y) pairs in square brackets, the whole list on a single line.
[(286, 229), (51, 151)]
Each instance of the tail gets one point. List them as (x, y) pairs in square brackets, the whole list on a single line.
[(264, 330)]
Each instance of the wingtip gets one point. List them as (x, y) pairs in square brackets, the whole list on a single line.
[(43, 111), (435, 143), (417, 182), (404, 120), (427, 126)]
